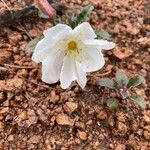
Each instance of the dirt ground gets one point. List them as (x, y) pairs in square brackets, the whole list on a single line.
[(38, 116)]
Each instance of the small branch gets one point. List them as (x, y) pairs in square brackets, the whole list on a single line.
[(6, 5), (18, 67), (102, 74), (9, 18), (28, 13)]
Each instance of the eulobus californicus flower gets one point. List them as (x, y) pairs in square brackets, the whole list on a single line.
[(68, 54)]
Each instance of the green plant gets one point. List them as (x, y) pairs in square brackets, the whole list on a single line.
[(122, 85)]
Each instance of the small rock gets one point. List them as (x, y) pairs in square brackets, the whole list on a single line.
[(120, 147), (70, 107), (22, 73), (147, 132), (132, 143), (34, 139), (34, 33), (53, 97), (134, 126), (1, 126), (77, 140), (14, 84), (2, 85), (146, 117), (22, 116), (63, 119), (122, 53), (43, 116), (90, 122), (80, 125), (121, 116), (144, 41), (14, 37), (121, 128), (10, 138), (102, 115), (82, 135), (4, 55), (4, 110)]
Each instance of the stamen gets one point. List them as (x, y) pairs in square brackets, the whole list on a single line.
[(72, 45)]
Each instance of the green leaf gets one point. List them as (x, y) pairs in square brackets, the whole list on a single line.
[(112, 103), (71, 19), (57, 21), (84, 13), (102, 33), (31, 45), (122, 78), (107, 83), (135, 81), (139, 99)]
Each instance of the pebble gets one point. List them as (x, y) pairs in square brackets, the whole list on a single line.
[(102, 115), (4, 110), (122, 53), (147, 132), (80, 125), (63, 119), (121, 128), (82, 135), (70, 107)]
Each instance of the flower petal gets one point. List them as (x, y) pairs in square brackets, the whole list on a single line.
[(51, 67), (56, 30), (43, 49), (67, 72), (93, 60), (103, 44), (80, 75), (53, 41), (84, 31)]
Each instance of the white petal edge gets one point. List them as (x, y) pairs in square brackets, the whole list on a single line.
[(54, 31), (67, 72), (84, 31), (80, 75), (103, 44), (51, 67), (93, 59)]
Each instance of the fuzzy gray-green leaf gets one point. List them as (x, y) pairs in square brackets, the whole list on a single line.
[(71, 19), (122, 78), (112, 103), (102, 33), (84, 13), (31, 45), (139, 99), (135, 81), (107, 83)]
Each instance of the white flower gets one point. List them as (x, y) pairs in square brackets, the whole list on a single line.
[(67, 54)]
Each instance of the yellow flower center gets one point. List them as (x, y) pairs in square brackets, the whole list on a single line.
[(72, 45)]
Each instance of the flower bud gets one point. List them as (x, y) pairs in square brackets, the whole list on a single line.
[(46, 8)]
